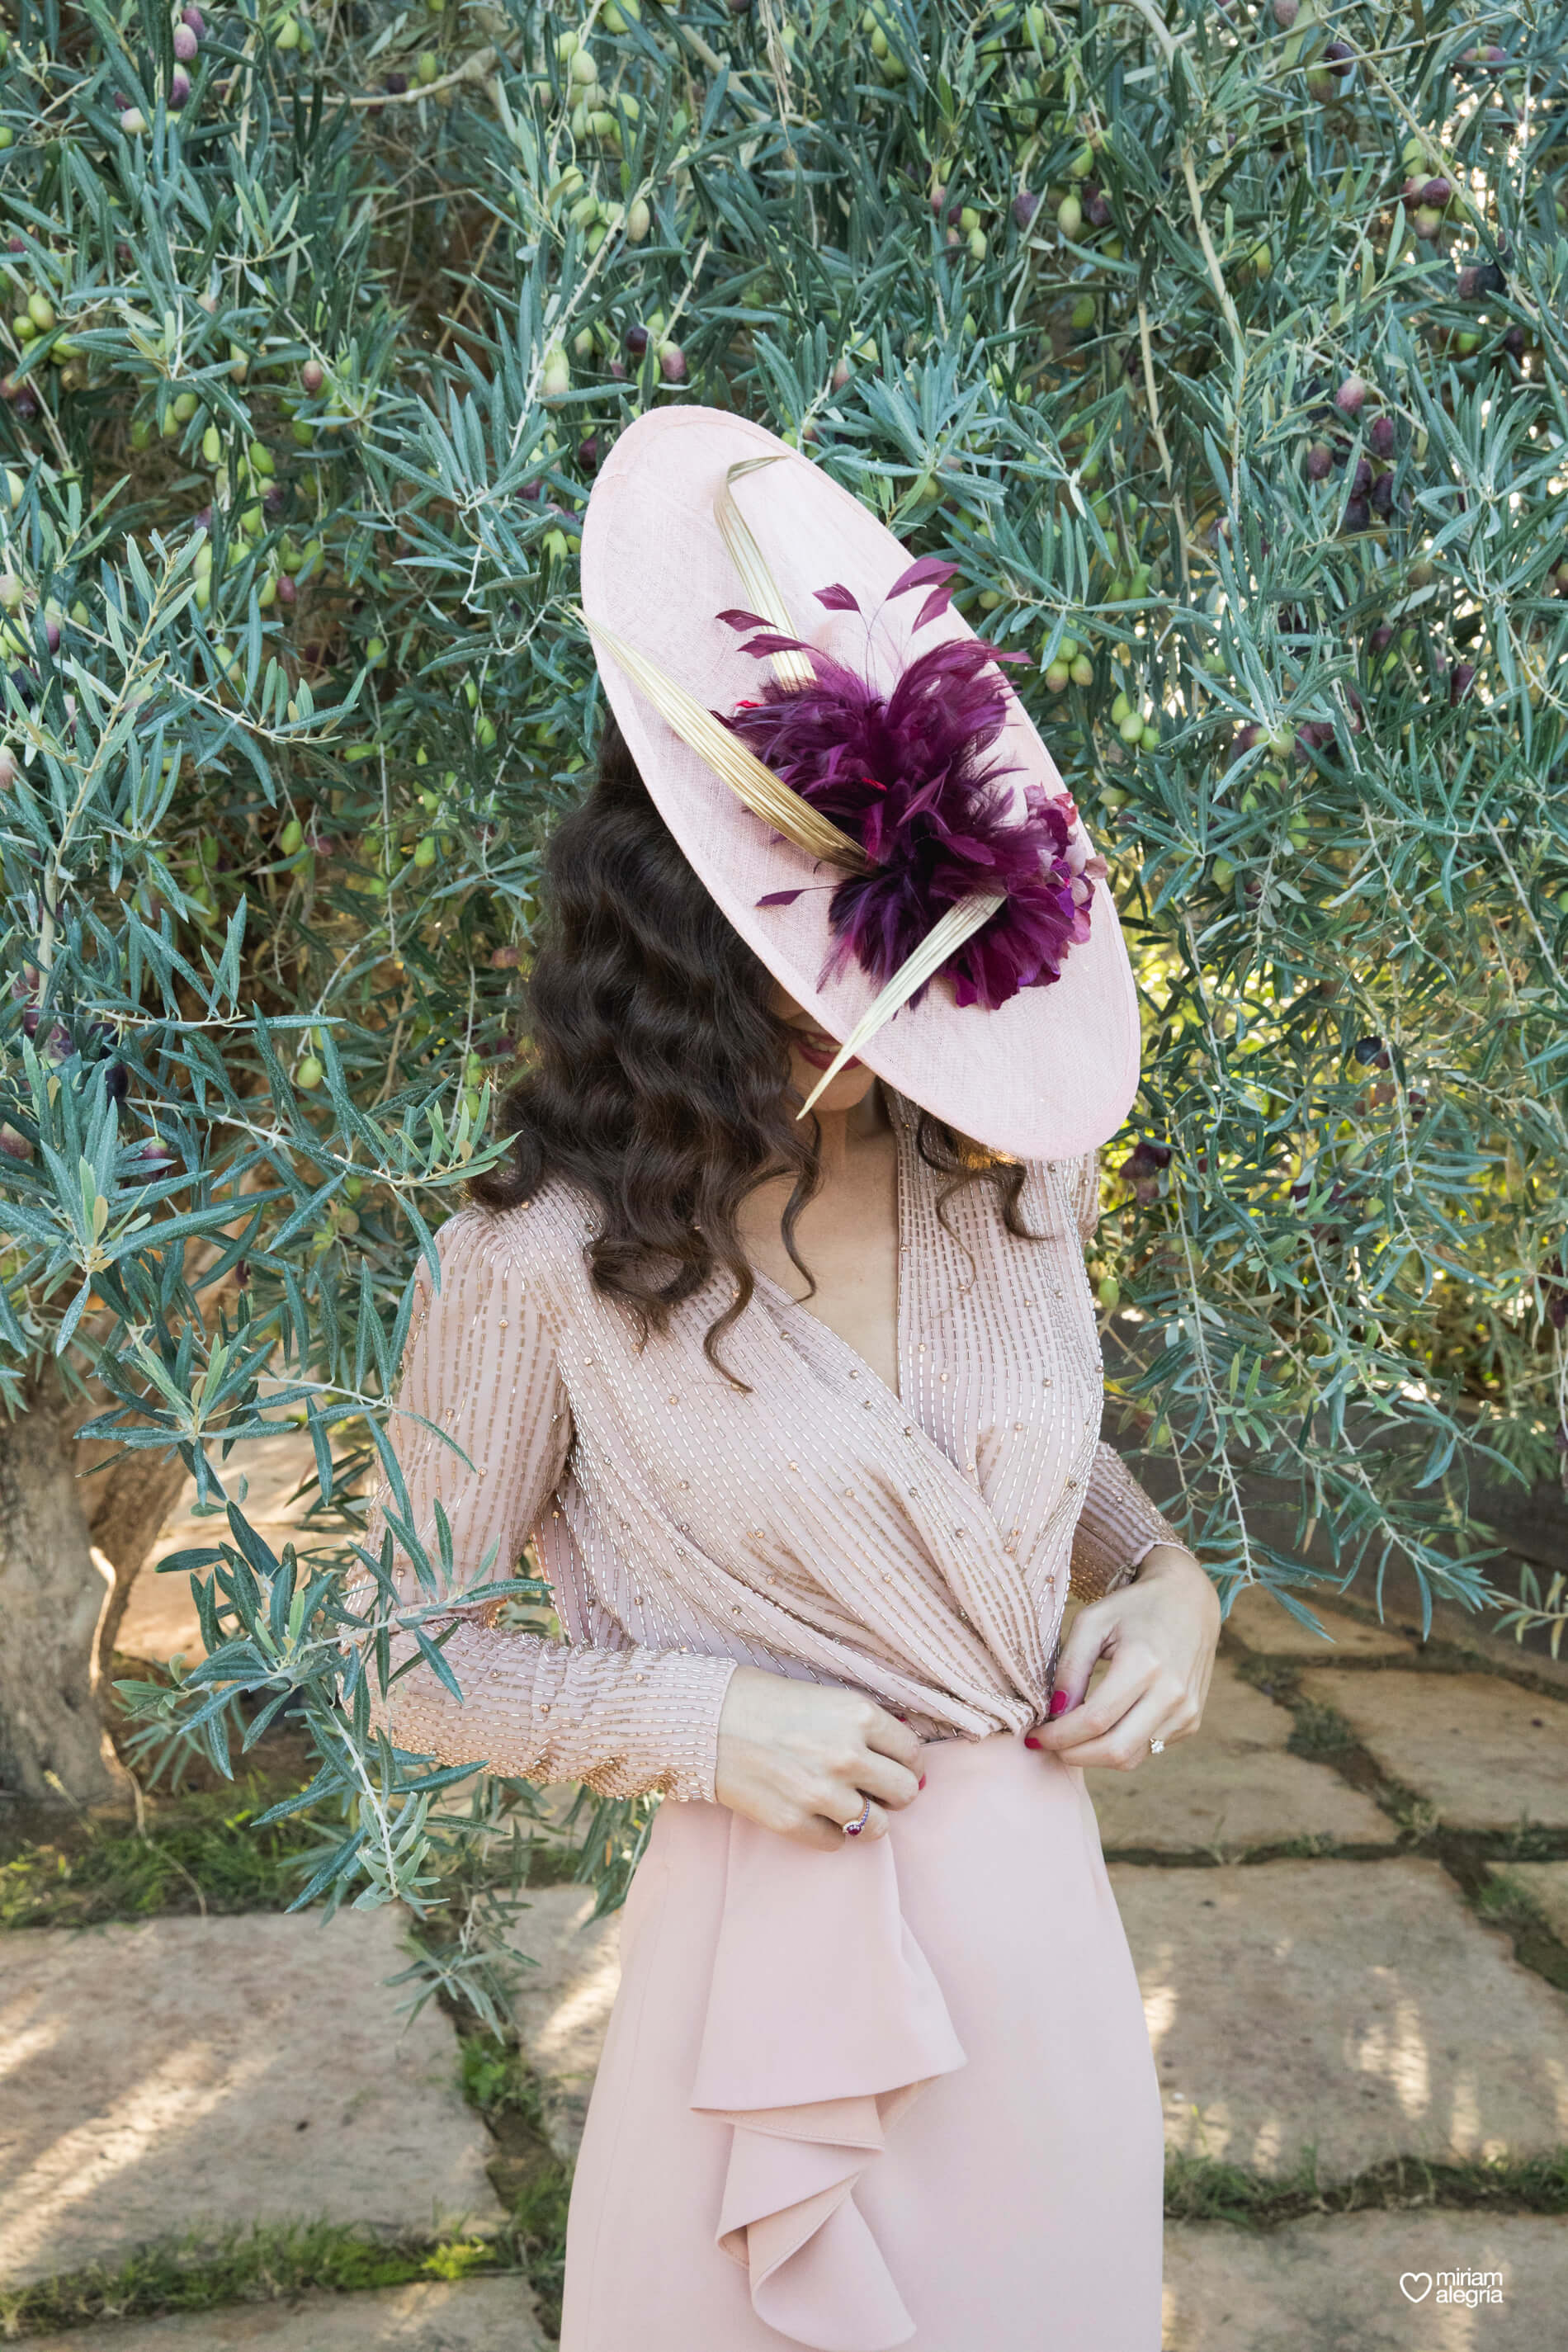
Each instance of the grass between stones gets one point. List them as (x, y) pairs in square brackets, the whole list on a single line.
[(261, 2265), (1199, 2189), (531, 2180), (1467, 1856)]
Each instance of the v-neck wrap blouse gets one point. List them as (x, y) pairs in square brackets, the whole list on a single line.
[(917, 1546)]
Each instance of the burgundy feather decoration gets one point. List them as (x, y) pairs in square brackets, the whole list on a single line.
[(906, 776)]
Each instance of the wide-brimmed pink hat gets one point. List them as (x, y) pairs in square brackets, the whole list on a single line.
[(842, 762)]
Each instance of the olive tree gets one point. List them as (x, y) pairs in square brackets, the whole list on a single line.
[(1221, 347)]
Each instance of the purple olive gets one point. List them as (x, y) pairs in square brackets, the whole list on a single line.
[(1351, 396), (1382, 494), (185, 44), (396, 85), (1381, 637), (312, 376), (1026, 204), (196, 23), (1513, 342), (1357, 515), (286, 591), (588, 453), (1320, 461), (1460, 683), (1379, 439), (672, 363), (179, 89), (1286, 12), (16, 244), (636, 342), (1361, 480), (1340, 57)]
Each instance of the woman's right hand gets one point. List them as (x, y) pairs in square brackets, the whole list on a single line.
[(802, 1758)]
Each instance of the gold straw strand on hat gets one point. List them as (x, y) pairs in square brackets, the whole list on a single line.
[(763, 595), (944, 939), (765, 794)]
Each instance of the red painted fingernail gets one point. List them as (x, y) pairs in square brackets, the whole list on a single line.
[(1060, 1703), (922, 1779), (1029, 1741)]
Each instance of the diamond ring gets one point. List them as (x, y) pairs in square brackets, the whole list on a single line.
[(1156, 1747), (853, 1828)]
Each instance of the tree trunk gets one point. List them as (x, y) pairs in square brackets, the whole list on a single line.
[(71, 1545), (126, 1505), (53, 1596)]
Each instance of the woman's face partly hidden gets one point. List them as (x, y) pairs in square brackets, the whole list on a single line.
[(811, 1051)]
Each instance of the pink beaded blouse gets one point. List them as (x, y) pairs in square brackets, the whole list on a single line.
[(916, 1545)]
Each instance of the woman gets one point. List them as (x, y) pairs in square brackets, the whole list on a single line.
[(802, 1414)]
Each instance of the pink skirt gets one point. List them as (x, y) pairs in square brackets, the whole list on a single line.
[(901, 2094)]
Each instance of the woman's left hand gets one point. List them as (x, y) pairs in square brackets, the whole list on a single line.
[(1160, 1634)]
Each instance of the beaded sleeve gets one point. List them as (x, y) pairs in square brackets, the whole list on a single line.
[(481, 1366), (1119, 1524)]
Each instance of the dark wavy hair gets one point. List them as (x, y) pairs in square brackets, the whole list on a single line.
[(659, 1079)]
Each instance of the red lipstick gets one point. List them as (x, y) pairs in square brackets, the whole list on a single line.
[(820, 1052)]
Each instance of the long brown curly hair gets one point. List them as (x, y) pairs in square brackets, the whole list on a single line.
[(659, 1079)]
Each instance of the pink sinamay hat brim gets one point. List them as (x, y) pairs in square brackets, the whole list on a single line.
[(1050, 1073)]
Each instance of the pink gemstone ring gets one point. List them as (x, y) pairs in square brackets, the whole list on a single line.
[(853, 1828)]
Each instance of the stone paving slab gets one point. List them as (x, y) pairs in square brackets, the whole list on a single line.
[(1231, 1786), (252, 2069), (564, 2005), (1333, 2284), (1547, 1883), (1356, 2005), (469, 2316), (1257, 1620), (1483, 1751)]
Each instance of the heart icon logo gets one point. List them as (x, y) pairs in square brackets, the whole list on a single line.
[(1416, 2284)]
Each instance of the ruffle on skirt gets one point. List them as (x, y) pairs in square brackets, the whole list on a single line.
[(824, 2020)]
